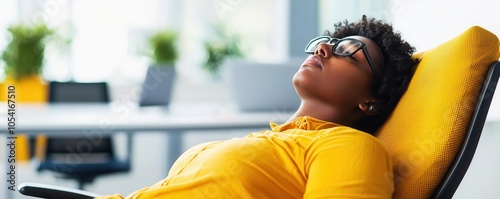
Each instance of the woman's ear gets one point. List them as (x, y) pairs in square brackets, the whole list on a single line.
[(369, 107)]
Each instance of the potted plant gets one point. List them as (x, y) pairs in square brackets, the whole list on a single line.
[(223, 46), (23, 61), (158, 84)]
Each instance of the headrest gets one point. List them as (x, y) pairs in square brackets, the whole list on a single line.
[(427, 127)]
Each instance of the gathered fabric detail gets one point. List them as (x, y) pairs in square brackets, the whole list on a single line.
[(302, 123)]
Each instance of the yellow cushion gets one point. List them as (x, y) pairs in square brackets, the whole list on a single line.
[(427, 127)]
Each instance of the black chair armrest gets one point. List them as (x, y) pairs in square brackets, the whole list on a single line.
[(53, 192)]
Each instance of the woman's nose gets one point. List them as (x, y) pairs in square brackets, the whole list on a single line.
[(324, 50)]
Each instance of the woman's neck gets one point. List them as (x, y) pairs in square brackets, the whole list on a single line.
[(322, 111)]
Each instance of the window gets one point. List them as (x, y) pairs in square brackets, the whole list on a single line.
[(333, 11), (107, 35)]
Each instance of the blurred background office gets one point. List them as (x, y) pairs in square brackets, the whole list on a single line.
[(106, 41)]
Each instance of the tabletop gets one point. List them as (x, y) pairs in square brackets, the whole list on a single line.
[(58, 118)]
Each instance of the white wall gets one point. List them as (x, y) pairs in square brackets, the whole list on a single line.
[(334, 11), (427, 23)]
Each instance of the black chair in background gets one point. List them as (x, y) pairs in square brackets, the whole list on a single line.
[(61, 154), (77, 92)]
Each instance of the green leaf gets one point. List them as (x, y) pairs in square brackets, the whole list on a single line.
[(163, 47), (24, 54), (224, 45)]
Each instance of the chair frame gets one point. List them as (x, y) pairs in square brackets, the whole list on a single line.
[(54, 192), (459, 167)]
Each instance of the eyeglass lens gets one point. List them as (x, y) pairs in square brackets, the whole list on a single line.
[(342, 48)]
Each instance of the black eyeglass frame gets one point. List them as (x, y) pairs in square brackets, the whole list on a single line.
[(336, 41)]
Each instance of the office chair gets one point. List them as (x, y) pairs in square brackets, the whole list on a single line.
[(433, 132), (78, 92), (99, 159)]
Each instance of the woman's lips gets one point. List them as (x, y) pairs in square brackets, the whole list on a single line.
[(313, 60)]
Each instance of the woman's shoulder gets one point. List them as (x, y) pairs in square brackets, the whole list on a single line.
[(345, 131), (345, 134)]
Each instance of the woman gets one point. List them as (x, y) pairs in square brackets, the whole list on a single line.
[(348, 85)]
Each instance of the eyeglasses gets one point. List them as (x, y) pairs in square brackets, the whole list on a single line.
[(345, 47)]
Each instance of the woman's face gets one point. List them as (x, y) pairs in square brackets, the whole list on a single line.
[(337, 80)]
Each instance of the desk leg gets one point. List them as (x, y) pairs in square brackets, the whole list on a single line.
[(174, 148)]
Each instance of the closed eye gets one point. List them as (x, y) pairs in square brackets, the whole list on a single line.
[(352, 57)]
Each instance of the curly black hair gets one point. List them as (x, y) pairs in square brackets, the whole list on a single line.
[(397, 69)]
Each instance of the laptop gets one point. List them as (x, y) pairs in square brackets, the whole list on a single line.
[(264, 86)]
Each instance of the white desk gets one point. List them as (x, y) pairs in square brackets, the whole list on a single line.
[(99, 119)]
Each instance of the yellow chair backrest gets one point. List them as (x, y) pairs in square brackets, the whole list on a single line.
[(427, 128)]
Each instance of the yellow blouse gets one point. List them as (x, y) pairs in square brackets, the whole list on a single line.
[(308, 158)]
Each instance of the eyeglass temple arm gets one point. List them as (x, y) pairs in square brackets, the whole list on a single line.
[(372, 65)]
